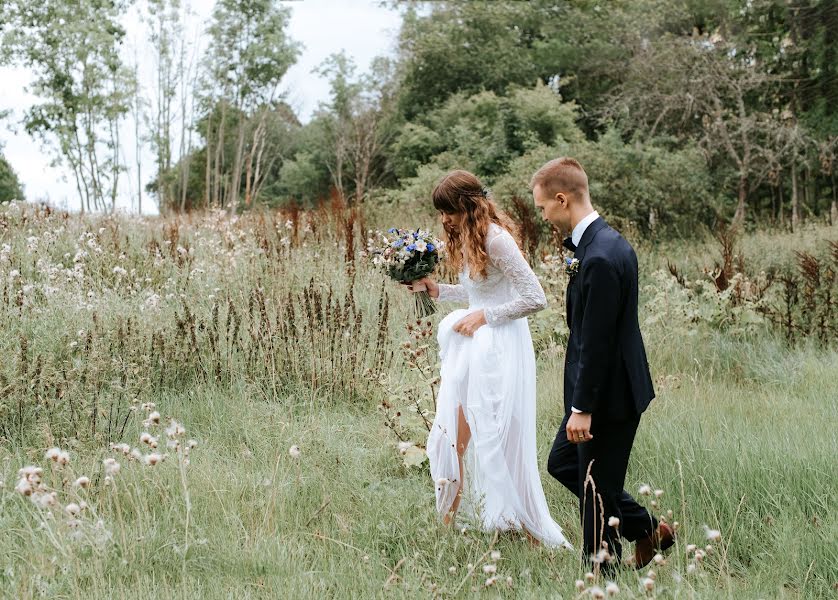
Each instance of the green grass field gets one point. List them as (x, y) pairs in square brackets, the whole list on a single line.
[(257, 335)]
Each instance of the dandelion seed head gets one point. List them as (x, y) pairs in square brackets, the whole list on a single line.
[(596, 592), (713, 535), (613, 522), (589, 577), (452, 570), (645, 490), (580, 585), (648, 584), (294, 451), (491, 581), (175, 429), (405, 446), (24, 487), (612, 589), (658, 493), (44, 499), (72, 509), (111, 466), (495, 555), (659, 559), (691, 568), (490, 569), (82, 482), (53, 454), (153, 459)]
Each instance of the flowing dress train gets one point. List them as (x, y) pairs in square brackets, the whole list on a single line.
[(492, 377)]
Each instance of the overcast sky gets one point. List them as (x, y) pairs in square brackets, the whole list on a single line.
[(362, 28)]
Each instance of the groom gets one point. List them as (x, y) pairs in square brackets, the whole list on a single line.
[(607, 385)]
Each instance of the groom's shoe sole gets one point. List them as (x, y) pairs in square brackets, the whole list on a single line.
[(645, 550)]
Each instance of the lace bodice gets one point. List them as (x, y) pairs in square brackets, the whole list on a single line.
[(510, 289)]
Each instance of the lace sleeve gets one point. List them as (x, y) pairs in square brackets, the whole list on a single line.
[(506, 256), (452, 293)]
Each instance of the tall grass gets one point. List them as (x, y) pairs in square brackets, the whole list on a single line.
[(269, 331)]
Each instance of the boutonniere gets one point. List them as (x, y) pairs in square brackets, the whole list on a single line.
[(571, 266)]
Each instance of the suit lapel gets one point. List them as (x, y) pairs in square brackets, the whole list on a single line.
[(588, 237)]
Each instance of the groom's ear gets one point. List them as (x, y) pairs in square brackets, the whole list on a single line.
[(561, 198)]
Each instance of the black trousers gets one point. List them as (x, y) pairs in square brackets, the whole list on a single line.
[(607, 454)]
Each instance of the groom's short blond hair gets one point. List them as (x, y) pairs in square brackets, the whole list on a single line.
[(563, 175)]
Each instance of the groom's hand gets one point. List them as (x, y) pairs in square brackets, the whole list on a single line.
[(470, 323), (579, 428)]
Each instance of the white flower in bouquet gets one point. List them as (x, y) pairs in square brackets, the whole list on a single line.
[(407, 256)]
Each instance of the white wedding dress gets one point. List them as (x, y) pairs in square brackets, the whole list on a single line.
[(492, 376)]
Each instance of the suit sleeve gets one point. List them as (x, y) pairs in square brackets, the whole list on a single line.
[(602, 295)]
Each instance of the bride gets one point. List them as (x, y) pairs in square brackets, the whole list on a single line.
[(482, 445)]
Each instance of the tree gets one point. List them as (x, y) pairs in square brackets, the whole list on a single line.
[(249, 54), (166, 35), (10, 187), (465, 47), (359, 123), (73, 51), (703, 87)]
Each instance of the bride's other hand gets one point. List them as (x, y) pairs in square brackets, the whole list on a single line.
[(469, 324), (429, 285)]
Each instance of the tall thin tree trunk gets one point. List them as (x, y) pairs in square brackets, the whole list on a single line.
[(795, 200), (780, 208), (739, 216), (218, 200), (208, 174), (236, 178)]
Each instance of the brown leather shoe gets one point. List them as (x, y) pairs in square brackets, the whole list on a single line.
[(661, 540)]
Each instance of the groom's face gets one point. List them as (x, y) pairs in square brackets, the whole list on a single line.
[(553, 207)]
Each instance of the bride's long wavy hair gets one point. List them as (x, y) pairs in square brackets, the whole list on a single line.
[(461, 192)]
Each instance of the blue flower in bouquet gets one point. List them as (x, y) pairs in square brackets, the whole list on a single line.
[(408, 255)]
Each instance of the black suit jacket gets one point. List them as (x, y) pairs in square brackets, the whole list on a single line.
[(606, 370)]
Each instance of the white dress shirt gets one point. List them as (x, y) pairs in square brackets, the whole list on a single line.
[(581, 226), (576, 237)]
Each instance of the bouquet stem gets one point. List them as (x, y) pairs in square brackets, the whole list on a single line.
[(425, 306)]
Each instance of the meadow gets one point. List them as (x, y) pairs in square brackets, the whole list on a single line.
[(300, 401)]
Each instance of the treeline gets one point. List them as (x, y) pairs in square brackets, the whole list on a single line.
[(682, 110)]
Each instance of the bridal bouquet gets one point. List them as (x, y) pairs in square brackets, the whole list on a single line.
[(407, 256)]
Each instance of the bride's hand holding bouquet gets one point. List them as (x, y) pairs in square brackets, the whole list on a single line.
[(409, 257)]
